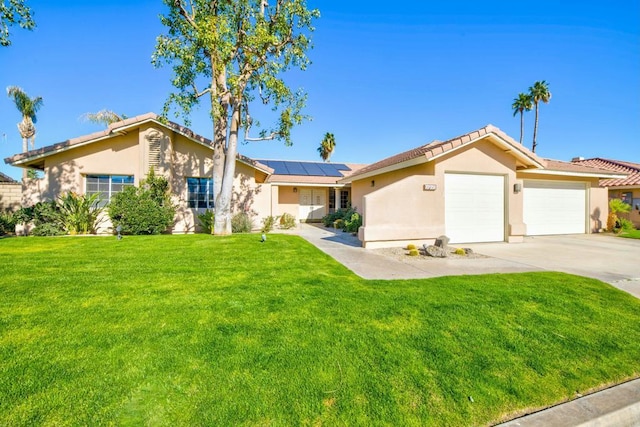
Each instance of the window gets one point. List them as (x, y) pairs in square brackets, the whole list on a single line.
[(332, 200), (107, 186), (344, 199), (200, 192)]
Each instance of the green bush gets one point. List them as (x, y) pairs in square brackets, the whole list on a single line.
[(353, 223), (414, 252), (411, 246), (460, 251), (268, 223), (206, 221), (7, 223), (143, 210), (45, 216), (287, 221), (624, 224), (79, 214), (241, 223), (338, 224)]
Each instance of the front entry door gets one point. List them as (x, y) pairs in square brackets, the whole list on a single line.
[(312, 204)]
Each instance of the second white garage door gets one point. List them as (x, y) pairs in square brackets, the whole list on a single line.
[(554, 207), (474, 208)]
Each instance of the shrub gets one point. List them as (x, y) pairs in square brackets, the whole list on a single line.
[(460, 251), (339, 224), (268, 223), (616, 206), (143, 210), (411, 246), (45, 217), (241, 223), (206, 221), (79, 214), (414, 252), (7, 223), (287, 221), (625, 225), (353, 223)]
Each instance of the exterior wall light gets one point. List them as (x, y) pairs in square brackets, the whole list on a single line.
[(517, 188), (373, 183), (295, 189)]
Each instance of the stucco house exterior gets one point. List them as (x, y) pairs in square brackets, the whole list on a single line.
[(479, 187), (109, 160), (626, 188)]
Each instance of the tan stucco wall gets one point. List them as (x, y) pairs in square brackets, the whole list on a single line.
[(288, 201), (634, 215), (10, 196), (129, 154), (397, 208)]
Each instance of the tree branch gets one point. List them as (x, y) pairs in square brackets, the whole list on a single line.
[(189, 17)]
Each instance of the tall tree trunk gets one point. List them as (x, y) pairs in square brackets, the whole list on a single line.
[(521, 125), (535, 131), (222, 225)]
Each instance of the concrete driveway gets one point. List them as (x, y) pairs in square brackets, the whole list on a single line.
[(611, 259)]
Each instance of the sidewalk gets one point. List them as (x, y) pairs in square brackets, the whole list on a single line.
[(618, 406)]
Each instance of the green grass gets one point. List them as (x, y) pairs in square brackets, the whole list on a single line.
[(196, 330), (630, 234)]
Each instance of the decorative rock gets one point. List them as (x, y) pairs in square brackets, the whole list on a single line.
[(468, 251), (436, 251), (442, 242)]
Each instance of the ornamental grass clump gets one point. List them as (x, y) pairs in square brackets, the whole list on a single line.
[(414, 252)]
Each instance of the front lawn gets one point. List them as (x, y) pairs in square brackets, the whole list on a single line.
[(196, 330)]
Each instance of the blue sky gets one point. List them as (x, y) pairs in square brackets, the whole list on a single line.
[(383, 80)]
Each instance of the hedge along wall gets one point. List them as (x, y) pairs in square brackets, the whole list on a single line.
[(10, 196)]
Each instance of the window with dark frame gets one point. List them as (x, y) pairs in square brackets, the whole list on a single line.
[(344, 199), (200, 193)]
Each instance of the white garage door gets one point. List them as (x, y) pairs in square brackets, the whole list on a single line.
[(474, 208), (553, 207)]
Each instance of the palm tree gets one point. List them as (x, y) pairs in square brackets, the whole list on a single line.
[(521, 104), (327, 146), (538, 92), (28, 107), (105, 117)]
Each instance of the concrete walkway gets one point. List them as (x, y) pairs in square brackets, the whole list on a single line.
[(613, 260)]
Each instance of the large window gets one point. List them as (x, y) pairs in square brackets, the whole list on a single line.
[(200, 192), (107, 186)]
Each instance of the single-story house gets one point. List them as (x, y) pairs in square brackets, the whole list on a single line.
[(479, 187), (10, 193), (122, 155), (625, 188)]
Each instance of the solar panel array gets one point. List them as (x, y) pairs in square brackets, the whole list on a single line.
[(285, 167)]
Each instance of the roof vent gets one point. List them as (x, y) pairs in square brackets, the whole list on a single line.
[(577, 159)]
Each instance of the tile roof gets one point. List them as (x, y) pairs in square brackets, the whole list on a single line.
[(631, 169), (561, 166), (437, 148), (116, 127), (6, 178)]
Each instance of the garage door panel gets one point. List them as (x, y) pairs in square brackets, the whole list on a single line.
[(474, 208), (554, 207)]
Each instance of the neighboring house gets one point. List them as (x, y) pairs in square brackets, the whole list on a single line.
[(625, 188), (479, 187), (10, 193), (107, 161)]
